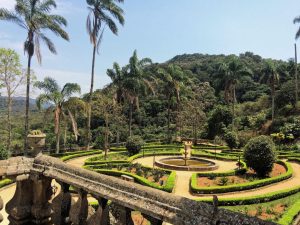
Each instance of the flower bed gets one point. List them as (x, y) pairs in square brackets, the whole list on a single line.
[(239, 187)]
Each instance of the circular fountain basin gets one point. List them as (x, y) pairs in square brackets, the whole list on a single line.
[(193, 164)]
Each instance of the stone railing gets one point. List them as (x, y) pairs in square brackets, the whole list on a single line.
[(34, 201)]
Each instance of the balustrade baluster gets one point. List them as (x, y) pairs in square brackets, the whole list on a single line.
[(101, 215), (120, 215), (152, 220)]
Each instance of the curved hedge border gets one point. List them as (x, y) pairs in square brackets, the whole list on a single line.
[(254, 199), (224, 174), (240, 187), (81, 154), (214, 156), (291, 213), (140, 155), (168, 186)]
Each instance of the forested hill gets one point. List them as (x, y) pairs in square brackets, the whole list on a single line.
[(205, 68), (18, 104)]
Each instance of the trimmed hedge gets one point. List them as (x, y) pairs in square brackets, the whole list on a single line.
[(168, 186), (224, 174), (291, 213), (240, 187), (140, 155), (214, 156), (87, 163), (5, 182), (81, 154), (254, 199)]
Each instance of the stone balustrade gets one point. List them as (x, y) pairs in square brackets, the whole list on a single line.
[(35, 202)]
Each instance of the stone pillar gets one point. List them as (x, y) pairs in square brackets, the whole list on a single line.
[(120, 215), (19, 207), (101, 216), (152, 220), (42, 193), (81, 209), (61, 205), (1, 207)]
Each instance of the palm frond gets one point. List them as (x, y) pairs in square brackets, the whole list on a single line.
[(49, 85), (49, 43), (69, 89), (12, 17), (41, 100)]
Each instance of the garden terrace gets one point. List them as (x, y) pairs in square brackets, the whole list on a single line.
[(34, 202)]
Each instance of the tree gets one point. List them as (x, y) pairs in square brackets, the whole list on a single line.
[(232, 72), (100, 12), (259, 155), (172, 78), (34, 16), (11, 77), (297, 20), (56, 96), (220, 118), (271, 77), (105, 107), (135, 83)]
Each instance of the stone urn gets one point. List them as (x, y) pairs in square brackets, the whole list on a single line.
[(36, 142)]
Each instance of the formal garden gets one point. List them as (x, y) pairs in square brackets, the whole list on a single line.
[(223, 129)]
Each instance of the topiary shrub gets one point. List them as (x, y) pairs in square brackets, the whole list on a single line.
[(259, 155), (134, 144), (231, 140)]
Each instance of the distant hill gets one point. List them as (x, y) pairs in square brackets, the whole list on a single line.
[(18, 104)]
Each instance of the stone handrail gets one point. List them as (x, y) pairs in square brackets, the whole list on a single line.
[(34, 201)]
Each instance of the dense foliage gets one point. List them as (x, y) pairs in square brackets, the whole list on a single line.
[(134, 144), (259, 154)]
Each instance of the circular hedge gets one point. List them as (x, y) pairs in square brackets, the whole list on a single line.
[(259, 155)]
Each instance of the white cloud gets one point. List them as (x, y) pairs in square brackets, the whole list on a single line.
[(8, 4)]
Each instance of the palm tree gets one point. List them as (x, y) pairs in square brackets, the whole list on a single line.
[(57, 97), (172, 78), (231, 73), (297, 20), (34, 16), (135, 82), (271, 77), (116, 74), (100, 12)]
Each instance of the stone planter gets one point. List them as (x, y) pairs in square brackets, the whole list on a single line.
[(36, 143)]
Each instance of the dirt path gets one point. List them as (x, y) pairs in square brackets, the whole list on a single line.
[(7, 193)]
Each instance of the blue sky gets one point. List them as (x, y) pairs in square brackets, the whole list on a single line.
[(161, 29)]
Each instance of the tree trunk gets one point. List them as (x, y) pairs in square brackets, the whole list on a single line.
[(106, 139), (169, 117), (9, 105), (296, 75), (65, 137), (130, 118), (233, 107), (27, 105), (89, 136), (57, 128), (273, 101)]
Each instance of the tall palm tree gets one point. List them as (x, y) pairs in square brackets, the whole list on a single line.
[(35, 17), (172, 78), (100, 15), (271, 77), (135, 82), (56, 96), (231, 73), (116, 74)]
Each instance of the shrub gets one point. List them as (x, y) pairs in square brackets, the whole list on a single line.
[(134, 145), (4, 154), (259, 154), (231, 139), (223, 181)]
